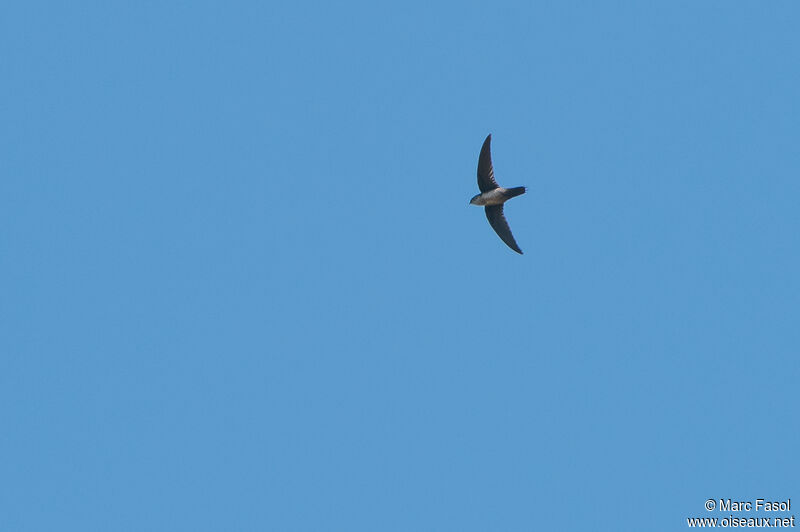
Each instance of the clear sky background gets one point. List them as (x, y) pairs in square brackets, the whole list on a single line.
[(243, 289)]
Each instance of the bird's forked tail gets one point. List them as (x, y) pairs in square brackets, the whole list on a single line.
[(514, 192)]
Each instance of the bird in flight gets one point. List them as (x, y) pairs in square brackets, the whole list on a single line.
[(493, 196)]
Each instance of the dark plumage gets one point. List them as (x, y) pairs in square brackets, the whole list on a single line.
[(493, 196)]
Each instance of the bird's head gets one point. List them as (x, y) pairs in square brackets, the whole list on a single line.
[(474, 200)]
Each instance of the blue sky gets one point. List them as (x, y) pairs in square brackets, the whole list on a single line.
[(243, 288)]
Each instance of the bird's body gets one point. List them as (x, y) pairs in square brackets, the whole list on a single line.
[(493, 196), (497, 196)]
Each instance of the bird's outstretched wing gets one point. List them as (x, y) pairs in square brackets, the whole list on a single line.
[(486, 180), (494, 213)]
